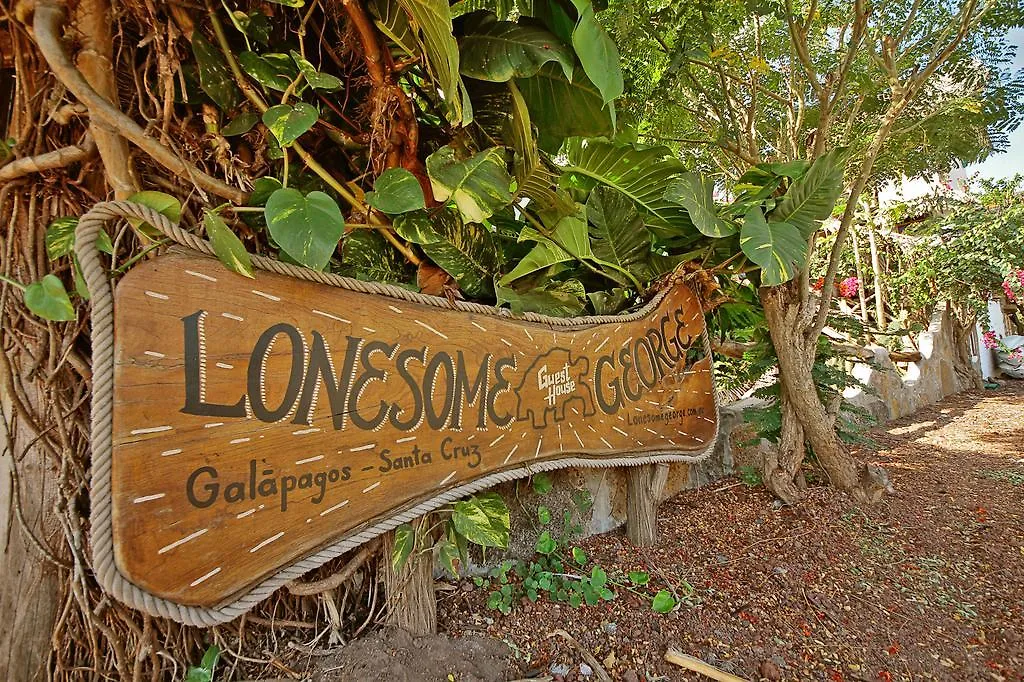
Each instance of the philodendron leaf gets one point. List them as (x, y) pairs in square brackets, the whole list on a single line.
[(479, 185), (597, 52), (161, 203), (499, 51), (568, 241), (288, 122), (366, 255), (307, 227), (405, 540), (810, 198), (396, 191), (483, 519), (242, 123), (433, 17), (562, 108), (466, 251), (273, 70), (618, 233), (60, 238), (214, 76), (779, 248), (48, 299), (227, 245), (694, 192), (316, 79), (556, 299)]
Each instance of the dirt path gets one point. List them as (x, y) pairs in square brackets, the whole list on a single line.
[(928, 584)]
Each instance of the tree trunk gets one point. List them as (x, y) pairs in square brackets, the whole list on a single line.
[(803, 413), (860, 275), (410, 591), (644, 485), (876, 270)]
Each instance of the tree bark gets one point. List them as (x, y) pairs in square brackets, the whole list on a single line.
[(860, 275), (410, 591), (644, 485), (876, 270)]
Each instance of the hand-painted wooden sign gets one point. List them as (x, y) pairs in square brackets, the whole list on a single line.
[(260, 423)]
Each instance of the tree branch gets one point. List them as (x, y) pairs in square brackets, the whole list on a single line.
[(58, 158)]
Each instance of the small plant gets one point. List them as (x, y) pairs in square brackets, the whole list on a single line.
[(205, 670), (750, 475), (1005, 475)]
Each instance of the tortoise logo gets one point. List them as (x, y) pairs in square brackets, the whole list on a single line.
[(560, 380)]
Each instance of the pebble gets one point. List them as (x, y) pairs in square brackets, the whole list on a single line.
[(586, 670), (559, 669), (610, 628)]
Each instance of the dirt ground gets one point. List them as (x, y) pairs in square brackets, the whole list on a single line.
[(926, 585)]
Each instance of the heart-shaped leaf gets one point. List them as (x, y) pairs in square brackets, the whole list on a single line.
[(48, 299), (227, 245), (366, 255), (160, 202), (694, 192), (396, 191), (779, 248), (288, 122), (273, 70), (563, 108), (466, 251), (483, 519), (479, 185), (405, 540), (810, 198), (214, 76), (316, 79), (307, 227), (240, 124), (60, 238), (663, 602)]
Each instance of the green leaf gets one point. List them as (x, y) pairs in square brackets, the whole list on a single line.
[(433, 18), (289, 3), (641, 173), (466, 251), (81, 287), (695, 193), (543, 515), (499, 51), (579, 556), (483, 519), (811, 198), (597, 53), (307, 227), (204, 672), (569, 241), (598, 577), (639, 578), (541, 483), (60, 238), (545, 543), (663, 602), (396, 191), (159, 202), (563, 108), (287, 123), (240, 124), (316, 79), (779, 248), (48, 299), (393, 22), (366, 255), (555, 299), (214, 76), (262, 188), (405, 540), (448, 555), (617, 232), (610, 302), (479, 185), (274, 71), (227, 246)]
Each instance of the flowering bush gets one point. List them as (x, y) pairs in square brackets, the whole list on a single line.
[(1013, 286), (990, 340), (848, 287)]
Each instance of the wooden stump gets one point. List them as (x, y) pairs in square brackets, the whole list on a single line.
[(410, 591), (644, 485)]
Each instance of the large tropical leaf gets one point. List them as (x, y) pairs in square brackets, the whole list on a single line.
[(597, 52), (568, 241), (434, 21), (557, 299), (366, 255), (499, 51), (641, 173), (307, 227), (779, 248), (564, 108), (394, 23), (214, 77), (479, 185), (466, 251), (396, 191), (617, 232), (810, 199), (695, 193)]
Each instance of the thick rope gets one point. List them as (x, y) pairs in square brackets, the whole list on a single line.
[(98, 280)]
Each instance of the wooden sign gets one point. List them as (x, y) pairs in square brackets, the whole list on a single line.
[(261, 427)]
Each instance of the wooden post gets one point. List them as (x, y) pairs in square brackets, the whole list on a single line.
[(410, 591), (644, 485)]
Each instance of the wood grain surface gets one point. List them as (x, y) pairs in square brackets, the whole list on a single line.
[(256, 421)]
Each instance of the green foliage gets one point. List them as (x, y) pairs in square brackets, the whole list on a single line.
[(464, 250), (499, 51), (779, 248), (434, 22), (483, 519), (597, 54), (478, 185), (229, 248), (307, 228), (811, 197), (694, 193), (288, 123), (214, 75), (396, 191), (204, 672), (48, 299)]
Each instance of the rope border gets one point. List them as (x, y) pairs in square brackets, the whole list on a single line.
[(102, 304)]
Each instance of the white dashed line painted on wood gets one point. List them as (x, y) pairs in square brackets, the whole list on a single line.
[(429, 328), (527, 332), (154, 354), (303, 432), (336, 507), (494, 442), (213, 425), (169, 453), (236, 441), (269, 297), (369, 330), (246, 513), (397, 310), (652, 431), (148, 498), (537, 454), (481, 328), (224, 365), (616, 428), (598, 349), (153, 294), (178, 543), (201, 275), (505, 342), (510, 453), (369, 446), (607, 444), (272, 538), (447, 478), (333, 317), (406, 439), (579, 439), (370, 487), (151, 429), (230, 316), (709, 421), (309, 459), (204, 578)]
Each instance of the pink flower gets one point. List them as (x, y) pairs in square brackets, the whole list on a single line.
[(990, 340), (848, 287)]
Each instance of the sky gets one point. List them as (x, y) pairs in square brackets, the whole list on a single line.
[(1009, 163)]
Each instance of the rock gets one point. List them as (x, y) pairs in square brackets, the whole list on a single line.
[(559, 669), (770, 671), (467, 587), (610, 628), (586, 670), (630, 675)]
